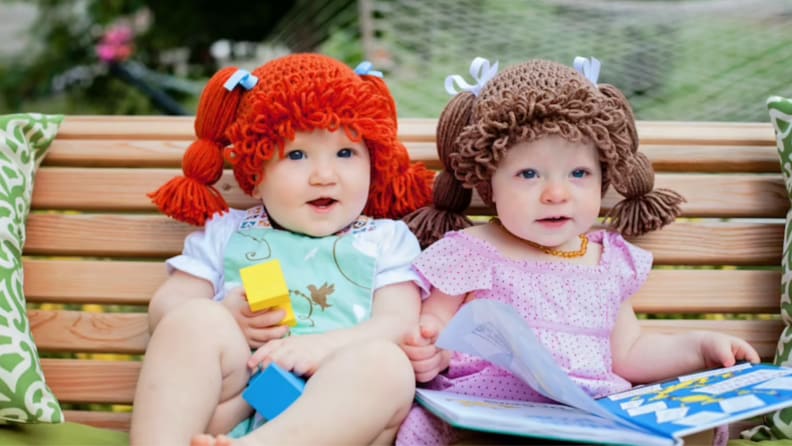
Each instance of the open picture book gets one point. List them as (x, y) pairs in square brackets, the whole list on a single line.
[(653, 414)]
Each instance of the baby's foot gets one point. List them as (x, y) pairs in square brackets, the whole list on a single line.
[(208, 440)]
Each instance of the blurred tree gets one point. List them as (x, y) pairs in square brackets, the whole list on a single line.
[(64, 71)]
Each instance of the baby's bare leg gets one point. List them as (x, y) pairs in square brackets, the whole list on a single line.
[(192, 377), (360, 395)]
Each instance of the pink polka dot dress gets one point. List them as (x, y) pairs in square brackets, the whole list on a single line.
[(572, 309)]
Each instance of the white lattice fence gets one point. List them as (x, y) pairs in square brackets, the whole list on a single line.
[(685, 60)]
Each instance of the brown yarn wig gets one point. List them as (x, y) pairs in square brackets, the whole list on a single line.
[(523, 103)]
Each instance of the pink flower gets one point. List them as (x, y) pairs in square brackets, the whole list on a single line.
[(116, 44)]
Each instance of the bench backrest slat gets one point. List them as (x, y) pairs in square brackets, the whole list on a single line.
[(154, 236), (708, 195), (97, 282)]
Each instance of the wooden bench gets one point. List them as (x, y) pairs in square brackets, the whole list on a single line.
[(94, 238)]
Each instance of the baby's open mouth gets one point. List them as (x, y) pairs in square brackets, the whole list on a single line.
[(322, 202), (554, 219)]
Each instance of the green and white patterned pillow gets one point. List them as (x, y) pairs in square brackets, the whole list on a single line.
[(24, 395), (778, 425)]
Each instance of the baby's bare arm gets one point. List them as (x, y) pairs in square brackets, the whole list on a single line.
[(441, 306), (178, 288), (641, 357)]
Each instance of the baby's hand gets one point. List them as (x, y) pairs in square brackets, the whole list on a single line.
[(259, 327), (427, 360), (299, 354), (721, 350)]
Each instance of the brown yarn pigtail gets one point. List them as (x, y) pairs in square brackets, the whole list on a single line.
[(622, 134), (450, 198), (629, 132), (192, 198), (642, 209)]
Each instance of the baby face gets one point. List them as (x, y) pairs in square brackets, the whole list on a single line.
[(319, 186), (548, 191)]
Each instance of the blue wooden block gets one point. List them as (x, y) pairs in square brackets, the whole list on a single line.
[(273, 390)]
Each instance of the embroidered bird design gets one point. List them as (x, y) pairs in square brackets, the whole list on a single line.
[(319, 296)]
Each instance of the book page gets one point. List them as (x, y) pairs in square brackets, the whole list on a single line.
[(541, 420), (696, 402), (494, 331)]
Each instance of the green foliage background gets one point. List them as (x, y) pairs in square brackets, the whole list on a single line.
[(698, 66)]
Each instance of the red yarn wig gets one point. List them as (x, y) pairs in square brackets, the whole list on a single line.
[(296, 93)]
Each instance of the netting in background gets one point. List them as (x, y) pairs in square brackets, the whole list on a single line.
[(710, 60)]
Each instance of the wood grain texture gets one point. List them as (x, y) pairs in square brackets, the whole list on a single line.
[(95, 381), (91, 381), (75, 331), (167, 153), (76, 281), (666, 290), (155, 236), (82, 331), (414, 129), (125, 190)]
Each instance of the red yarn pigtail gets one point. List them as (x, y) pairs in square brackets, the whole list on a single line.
[(192, 198), (402, 186)]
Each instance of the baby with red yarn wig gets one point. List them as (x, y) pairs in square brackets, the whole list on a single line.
[(315, 143), (293, 94)]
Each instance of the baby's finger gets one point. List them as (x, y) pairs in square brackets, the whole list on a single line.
[(429, 332), (425, 365), (412, 338), (413, 353), (420, 353), (415, 338), (269, 333), (267, 318), (285, 362), (261, 355), (425, 377), (745, 351), (426, 370), (257, 365), (303, 368)]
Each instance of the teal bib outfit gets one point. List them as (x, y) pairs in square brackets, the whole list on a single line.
[(330, 280)]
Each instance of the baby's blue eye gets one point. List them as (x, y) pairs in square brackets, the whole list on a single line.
[(296, 155), (528, 173), (579, 173), (345, 153)]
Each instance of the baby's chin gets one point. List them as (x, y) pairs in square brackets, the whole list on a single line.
[(318, 231)]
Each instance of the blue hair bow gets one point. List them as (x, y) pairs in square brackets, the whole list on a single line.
[(241, 77), (365, 68)]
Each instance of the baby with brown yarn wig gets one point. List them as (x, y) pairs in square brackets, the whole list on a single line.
[(315, 143), (541, 142)]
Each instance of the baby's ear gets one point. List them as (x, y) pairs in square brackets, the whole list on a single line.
[(256, 192)]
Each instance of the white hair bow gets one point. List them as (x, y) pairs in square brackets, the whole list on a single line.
[(480, 70), (590, 68)]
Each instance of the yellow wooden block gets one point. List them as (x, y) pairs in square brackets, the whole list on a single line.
[(265, 287)]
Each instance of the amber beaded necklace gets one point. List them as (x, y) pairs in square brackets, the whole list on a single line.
[(552, 251)]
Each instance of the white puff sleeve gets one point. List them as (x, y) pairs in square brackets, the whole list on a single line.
[(398, 247), (203, 253)]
